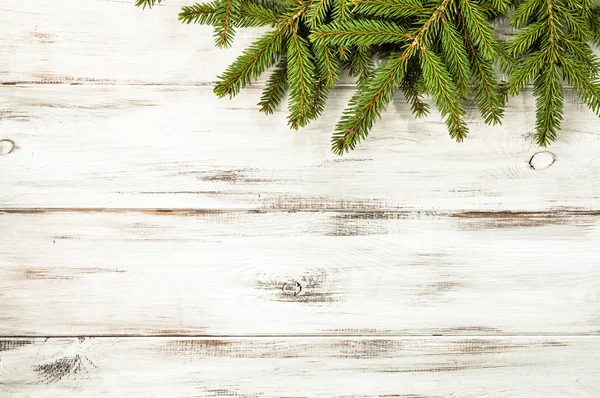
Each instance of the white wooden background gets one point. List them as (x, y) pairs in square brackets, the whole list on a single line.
[(156, 241)]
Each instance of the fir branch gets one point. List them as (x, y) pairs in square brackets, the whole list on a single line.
[(594, 22), (525, 39), (370, 100), (317, 13), (560, 44), (147, 3), (500, 6), (319, 98), (455, 56), (259, 56), (552, 32), (276, 87), (488, 97), (549, 104), (200, 13), (389, 9), (300, 76), (361, 63), (525, 72), (444, 48), (224, 29), (252, 63), (585, 84), (413, 88), (480, 29), (433, 19), (582, 53), (358, 33), (577, 25), (440, 86), (254, 16), (340, 10), (374, 95), (327, 64), (523, 13)]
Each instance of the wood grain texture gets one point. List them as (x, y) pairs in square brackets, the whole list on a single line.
[(222, 273), (181, 147), (302, 367), (107, 42), (177, 214)]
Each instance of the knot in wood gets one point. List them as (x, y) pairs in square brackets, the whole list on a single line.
[(542, 160), (292, 288), (6, 146)]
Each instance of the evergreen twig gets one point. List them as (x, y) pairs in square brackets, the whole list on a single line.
[(443, 49)]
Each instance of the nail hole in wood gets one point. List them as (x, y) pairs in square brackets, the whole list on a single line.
[(542, 160), (6, 146), (292, 288)]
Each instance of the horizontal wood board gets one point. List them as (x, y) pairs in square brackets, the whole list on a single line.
[(113, 42), (328, 273), (301, 367), (181, 147)]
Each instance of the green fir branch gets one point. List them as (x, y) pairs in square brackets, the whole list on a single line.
[(549, 96), (224, 29), (440, 86), (327, 64), (276, 88), (340, 10), (361, 63), (525, 39), (259, 56), (369, 102), (455, 56), (200, 13), (321, 92), (318, 12), (389, 9), (255, 16), (147, 3), (524, 12), (525, 72), (585, 84), (444, 49), (301, 71), (488, 96), (251, 64), (358, 33), (413, 87), (480, 29)]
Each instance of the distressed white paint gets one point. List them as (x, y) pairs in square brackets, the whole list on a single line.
[(486, 241), (513, 367), (95, 41), (181, 147), (237, 273)]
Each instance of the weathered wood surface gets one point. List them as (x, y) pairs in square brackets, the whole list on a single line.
[(181, 147), (235, 273), (302, 367), (136, 206), (107, 42)]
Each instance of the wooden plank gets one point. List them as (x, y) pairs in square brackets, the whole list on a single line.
[(107, 42), (112, 42), (302, 367), (181, 147), (107, 272)]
